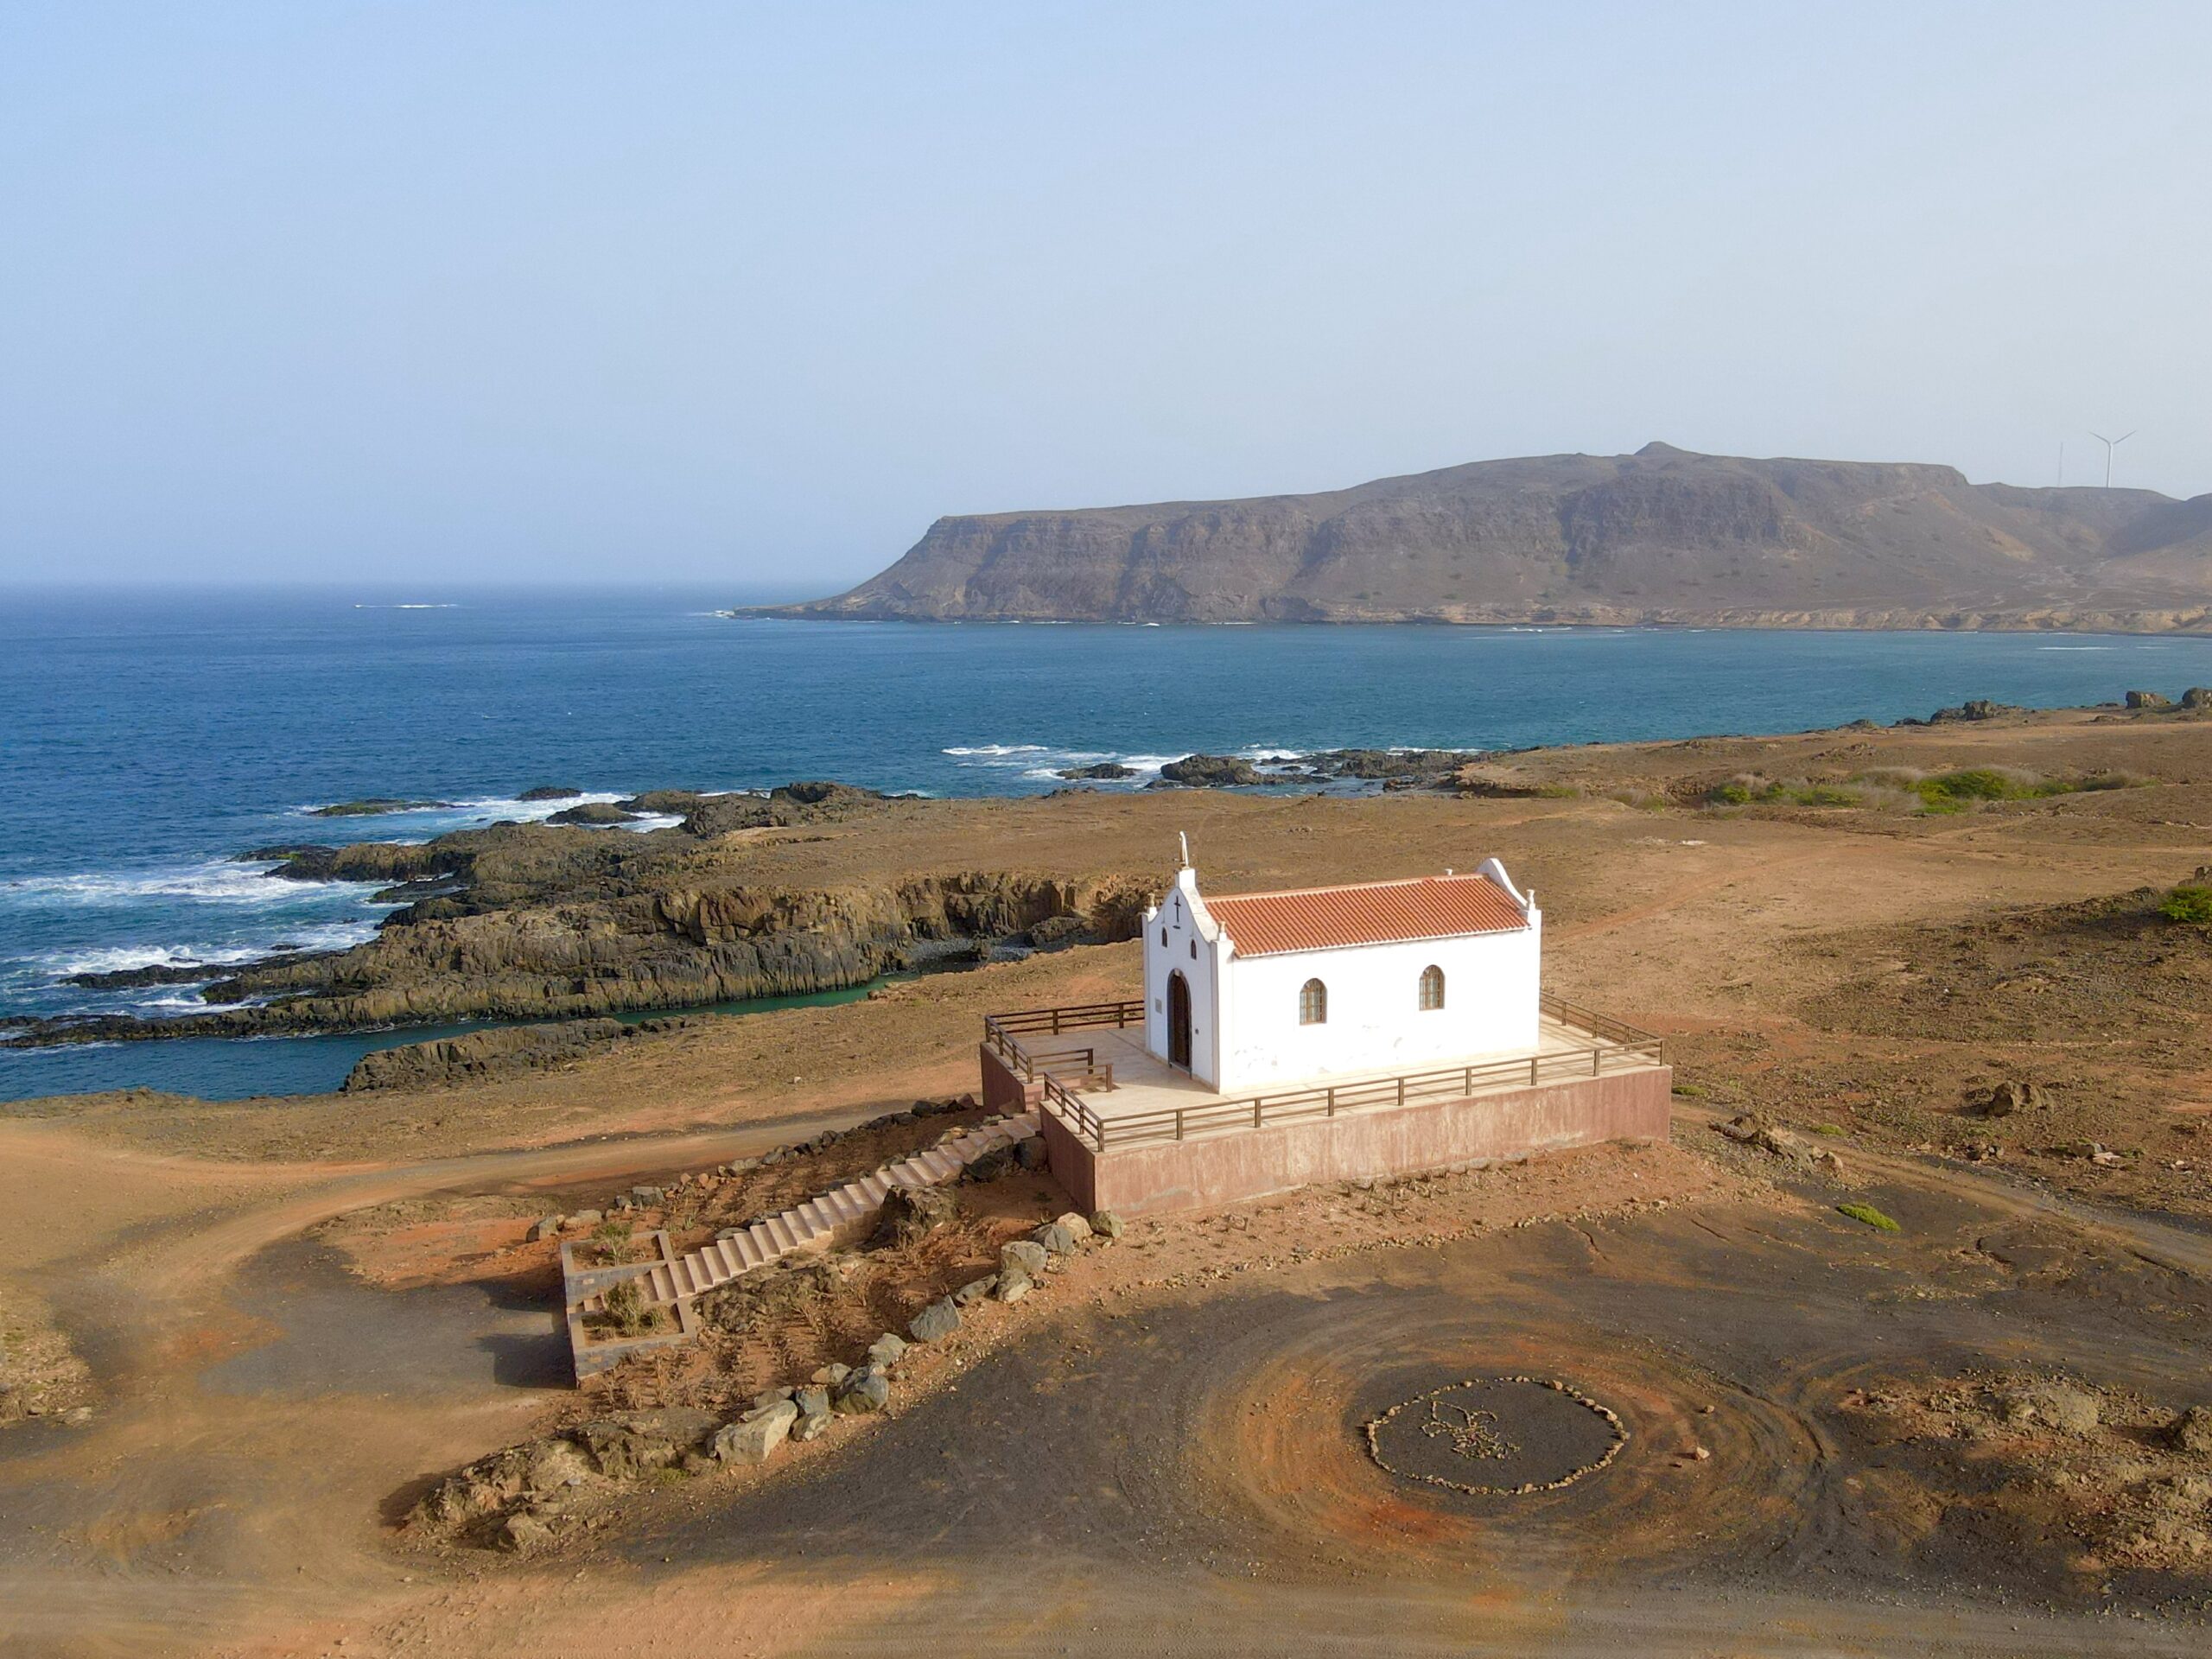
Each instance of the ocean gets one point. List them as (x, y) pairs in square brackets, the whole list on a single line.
[(147, 738)]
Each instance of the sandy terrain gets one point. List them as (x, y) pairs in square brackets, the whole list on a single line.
[(1163, 1453)]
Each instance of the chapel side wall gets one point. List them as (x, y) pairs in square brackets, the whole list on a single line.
[(1375, 1022)]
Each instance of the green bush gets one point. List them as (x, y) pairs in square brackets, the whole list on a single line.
[(2189, 902), (1870, 1215)]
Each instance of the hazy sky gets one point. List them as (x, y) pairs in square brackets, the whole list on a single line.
[(453, 289)]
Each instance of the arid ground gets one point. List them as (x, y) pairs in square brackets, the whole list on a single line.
[(244, 1340)]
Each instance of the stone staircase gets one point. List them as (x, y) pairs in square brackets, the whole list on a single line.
[(841, 1215)]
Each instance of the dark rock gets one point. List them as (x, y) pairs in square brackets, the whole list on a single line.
[(1032, 1153), (548, 792), (887, 1351), (863, 1391), (1056, 1240), (1058, 931), (910, 1213), (1100, 769), (1211, 771), (1012, 1286), (547, 1227), (377, 807), (2191, 1431), (500, 1052), (2008, 1097), (594, 813), (2148, 700), (2197, 697), (936, 1322), (989, 1167)]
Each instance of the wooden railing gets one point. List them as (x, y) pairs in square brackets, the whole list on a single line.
[(1004, 1033), (1618, 1045), (1596, 1024)]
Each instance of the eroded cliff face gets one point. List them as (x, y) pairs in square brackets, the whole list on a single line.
[(1660, 536)]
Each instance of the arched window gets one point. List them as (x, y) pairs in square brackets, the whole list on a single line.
[(1431, 989), (1194, 950), (1163, 938), (1313, 1003)]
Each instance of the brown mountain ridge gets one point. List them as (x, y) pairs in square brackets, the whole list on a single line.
[(1662, 537)]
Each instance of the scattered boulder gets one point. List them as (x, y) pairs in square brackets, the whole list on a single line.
[(585, 1218), (2009, 1097), (990, 1166), (974, 1290), (910, 1213), (887, 1351), (1011, 1287), (647, 1198), (833, 1375), (1079, 1228), (1099, 769), (548, 792), (2191, 1431), (1106, 1225), (2197, 697), (755, 1436), (865, 1390), (547, 1227), (2148, 700), (1023, 1256), (936, 1322), (1058, 1241), (1032, 1154)]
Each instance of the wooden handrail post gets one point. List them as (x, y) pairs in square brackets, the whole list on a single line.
[(1533, 1058), (1257, 1101), (1596, 1056), (1333, 1101), (1178, 1123)]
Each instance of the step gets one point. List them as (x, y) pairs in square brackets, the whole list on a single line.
[(778, 1230), (733, 1257), (764, 1241), (874, 1188), (661, 1285), (815, 1215)]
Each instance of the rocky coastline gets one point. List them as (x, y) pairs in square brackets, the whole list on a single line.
[(553, 922)]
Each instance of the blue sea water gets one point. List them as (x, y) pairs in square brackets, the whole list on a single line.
[(146, 739)]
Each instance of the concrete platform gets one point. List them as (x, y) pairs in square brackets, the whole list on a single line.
[(1158, 1141)]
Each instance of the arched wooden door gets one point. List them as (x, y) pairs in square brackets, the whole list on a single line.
[(1179, 1020)]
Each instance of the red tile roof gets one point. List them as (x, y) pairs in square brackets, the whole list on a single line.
[(1377, 913)]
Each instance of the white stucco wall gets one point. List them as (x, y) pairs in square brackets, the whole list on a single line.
[(1376, 1020), (1181, 936)]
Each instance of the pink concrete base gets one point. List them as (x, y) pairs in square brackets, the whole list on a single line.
[(1360, 1146), (1003, 1089)]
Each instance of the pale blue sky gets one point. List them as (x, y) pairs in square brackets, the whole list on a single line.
[(544, 291)]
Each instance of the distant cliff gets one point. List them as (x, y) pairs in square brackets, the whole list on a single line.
[(1660, 536)]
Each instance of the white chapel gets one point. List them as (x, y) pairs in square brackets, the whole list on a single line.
[(1255, 989)]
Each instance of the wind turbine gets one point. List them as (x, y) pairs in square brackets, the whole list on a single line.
[(2110, 445)]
